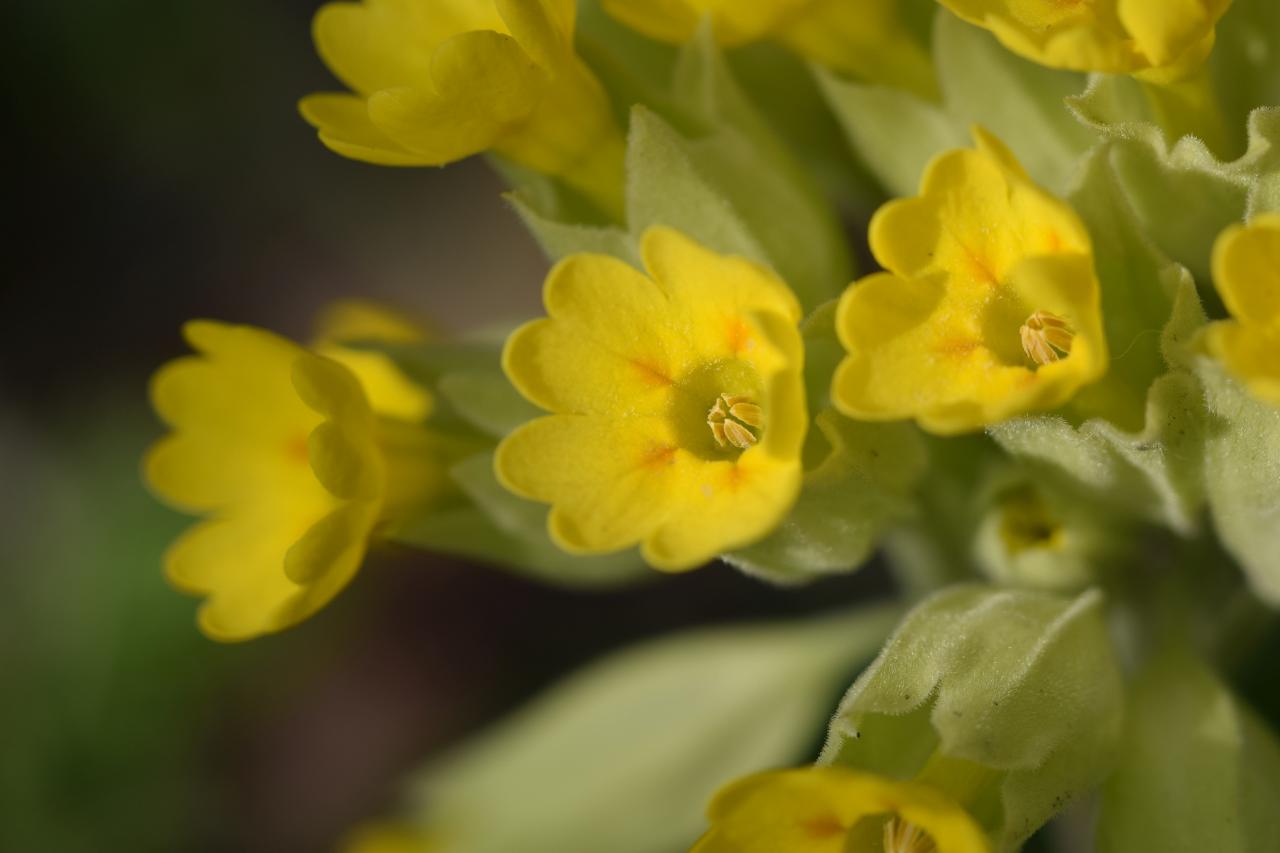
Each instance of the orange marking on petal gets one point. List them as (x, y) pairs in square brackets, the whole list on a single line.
[(651, 375), (737, 335), (980, 267), (298, 450), (823, 826), (658, 456), (1054, 241), (955, 347)]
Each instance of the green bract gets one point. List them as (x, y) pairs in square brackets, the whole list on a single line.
[(1023, 686)]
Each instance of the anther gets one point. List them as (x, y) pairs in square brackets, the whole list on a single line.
[(903, 836), (731, 420), (1046, 337)]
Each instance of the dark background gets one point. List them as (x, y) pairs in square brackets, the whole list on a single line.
[(157, 171)]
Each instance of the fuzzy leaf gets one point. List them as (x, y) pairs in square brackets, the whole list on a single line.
[(1242, 476), (1197, 770), (624, 755), (1023, 684), (498, 527)]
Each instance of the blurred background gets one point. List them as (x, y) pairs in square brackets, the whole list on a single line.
[(157, 172)]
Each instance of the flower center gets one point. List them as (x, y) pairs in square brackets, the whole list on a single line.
[(732, 420), (903, 836), (1046, 337)]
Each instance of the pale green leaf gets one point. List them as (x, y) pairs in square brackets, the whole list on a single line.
[(487, 400), (1197, 770), (624, 756), (1242, 476), (500, 528)]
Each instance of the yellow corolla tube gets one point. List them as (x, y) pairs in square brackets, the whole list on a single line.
[(434, 81), (1166, 38), (280, 451), (1246, 271), (866, 39), (677, 409), (989, 305), (836, 810)]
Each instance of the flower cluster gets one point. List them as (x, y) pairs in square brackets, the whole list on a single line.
[(1050, 406)]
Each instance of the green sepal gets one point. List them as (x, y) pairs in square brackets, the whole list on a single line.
[(896, 133), (497, 527), (1241, 453), (1196, 769), (624, 755), (1042, 534), (860, 486), (1021, 687)]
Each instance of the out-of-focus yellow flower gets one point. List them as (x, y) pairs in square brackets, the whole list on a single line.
[(677, 403), (866, 39), (438, 80), (1246, 271), (836, 810), (279, 448), (388, 837), (391, 394), (990, 306), (1163, 39)]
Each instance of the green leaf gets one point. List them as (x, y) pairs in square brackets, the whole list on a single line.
[(501, 528), (624, 755), (1197, 770), (861, 485), (487, 400), (1242, 477), (1025, 685), (560, 236), (893, 132), (728, 195), (896, 133), (1029, 114)]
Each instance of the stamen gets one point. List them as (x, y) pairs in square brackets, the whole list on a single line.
[(731, 420), (903, 836), (1046, 337)]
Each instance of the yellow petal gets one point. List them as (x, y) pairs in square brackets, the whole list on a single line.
[(610, 346), (611, 480), (1167, 30), (814, 810), (345, 128), (733, 21), (384, 44), (1246, 270), (484, 85), (723, 506), (544, 28)]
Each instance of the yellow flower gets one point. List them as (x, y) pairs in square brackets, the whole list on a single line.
[(1246, 271), (677, 403), (866, 39), (278, 446), (990, 306), (388, 837), (1165, 39), (439, 80), (835, 810), (391, 394)]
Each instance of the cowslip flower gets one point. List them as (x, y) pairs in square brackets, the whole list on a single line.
[(436, 82), (990, 306), (866, 39), (280, 449), (1246, 271), (832, 810), (1156, 38), (351, 321), (677, 403)]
